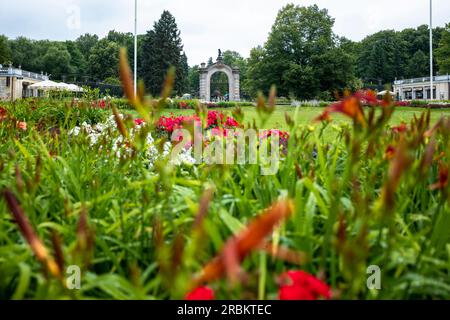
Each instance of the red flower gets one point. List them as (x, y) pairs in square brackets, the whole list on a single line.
[(183, 105), (138, 122), (2, 113), (402, 104), (367, 97), (214, 119), (299, 285), (201, 293), (400, 129), (325, 116), (389, 153), (351, 106)]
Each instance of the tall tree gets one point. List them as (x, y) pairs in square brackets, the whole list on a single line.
[(443, 52), (162, 48), (300, 47), (382, 58), (258, 71), (5, 51), (104, 60)]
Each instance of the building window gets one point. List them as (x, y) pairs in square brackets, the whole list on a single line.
[(408, 95), (428, 94), (419, 94)]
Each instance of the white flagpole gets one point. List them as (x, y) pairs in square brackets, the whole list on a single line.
[(431, 49), (135, 47)]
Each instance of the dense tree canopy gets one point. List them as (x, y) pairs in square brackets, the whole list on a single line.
[(443, 52), (5, 51), (302, 55), (57, 61), (104, 59), (86, 42), (387, 55)]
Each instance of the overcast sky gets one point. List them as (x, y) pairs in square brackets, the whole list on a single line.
[(206, 25)]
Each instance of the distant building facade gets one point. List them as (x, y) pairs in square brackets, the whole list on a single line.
[(14, 83), (419, 88)]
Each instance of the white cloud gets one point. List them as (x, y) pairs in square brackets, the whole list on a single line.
[(207, 25)]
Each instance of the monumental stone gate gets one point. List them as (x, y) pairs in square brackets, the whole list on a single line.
[(232, 73)]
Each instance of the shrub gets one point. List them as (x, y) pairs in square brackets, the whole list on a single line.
[(48, 113), (121, 103)]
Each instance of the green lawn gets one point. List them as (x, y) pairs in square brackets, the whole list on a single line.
[(306, 116)]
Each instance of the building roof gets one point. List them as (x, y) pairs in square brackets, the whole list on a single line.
[(436, 79)]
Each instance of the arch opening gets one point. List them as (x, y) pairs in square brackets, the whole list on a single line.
[(220, 86)]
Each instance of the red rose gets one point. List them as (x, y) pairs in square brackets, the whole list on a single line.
[(299, 285), (201, 293)]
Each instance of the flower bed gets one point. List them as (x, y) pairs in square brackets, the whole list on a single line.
[(363, 215)]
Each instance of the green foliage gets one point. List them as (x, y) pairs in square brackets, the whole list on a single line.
[(382, 57), (389, 54), (193, 104), (443, 52), (77, 60), (301, 56), (162, 48), (194, 81), (112, 81), (57, 62), (51, 113), (104, 59), (125, 40), (5, 51), (86, 42)]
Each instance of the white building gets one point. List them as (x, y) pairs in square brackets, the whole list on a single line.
[(14, 83), (419, 88)]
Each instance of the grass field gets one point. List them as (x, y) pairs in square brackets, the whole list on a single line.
[(306, 116)]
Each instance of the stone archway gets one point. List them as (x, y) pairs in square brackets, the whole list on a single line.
[(233, 75)]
